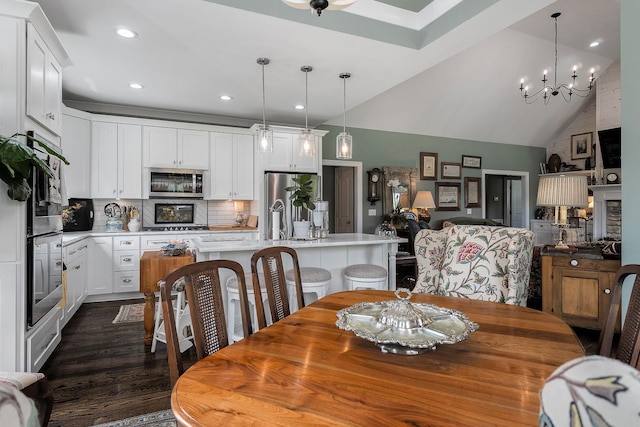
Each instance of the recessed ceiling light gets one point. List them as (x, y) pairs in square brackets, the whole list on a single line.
[(299, 107), (135, 86), (594, 44), (226, 97), (126, 33)]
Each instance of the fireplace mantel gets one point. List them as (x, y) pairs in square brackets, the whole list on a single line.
[(602, 194)]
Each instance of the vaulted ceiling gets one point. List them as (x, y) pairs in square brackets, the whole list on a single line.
[(447, 68)]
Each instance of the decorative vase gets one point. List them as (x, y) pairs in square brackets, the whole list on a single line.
[(301, 228), (134, 224)]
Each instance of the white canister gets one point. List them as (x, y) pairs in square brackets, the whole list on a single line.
[(134, 224)]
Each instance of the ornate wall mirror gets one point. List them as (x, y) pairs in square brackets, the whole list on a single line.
[(399, 187)]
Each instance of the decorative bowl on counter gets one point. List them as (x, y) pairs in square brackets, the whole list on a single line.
[(401, 327), (174, 249)]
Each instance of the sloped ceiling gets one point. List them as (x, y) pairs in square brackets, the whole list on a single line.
[(450, 68)]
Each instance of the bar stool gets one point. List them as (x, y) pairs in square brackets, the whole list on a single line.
[(233, 301), (183, 323), (315, 281), (366, 276)]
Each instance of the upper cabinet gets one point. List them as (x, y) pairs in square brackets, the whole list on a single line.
[(231, 166), (44, 83), (165, 147), (116, 160), (76, 146), (286, 155)]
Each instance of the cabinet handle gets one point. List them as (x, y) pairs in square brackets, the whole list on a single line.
[(53, 337), (573, 262), (126, 259), (58, 245), (126, 280), (81, 248), (127, 242), (51, 116), (607, 291), (77, 267), (159, 242), (58, 264)]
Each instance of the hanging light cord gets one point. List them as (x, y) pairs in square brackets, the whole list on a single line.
[(344, 105), (555, 65), (264, 120), (306, 98)]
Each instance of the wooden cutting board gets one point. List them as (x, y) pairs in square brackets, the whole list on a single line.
[(252, 221)]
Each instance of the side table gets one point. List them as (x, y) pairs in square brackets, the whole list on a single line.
[(153, 267)]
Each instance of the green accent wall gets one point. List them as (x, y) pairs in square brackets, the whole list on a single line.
[(378, 148)]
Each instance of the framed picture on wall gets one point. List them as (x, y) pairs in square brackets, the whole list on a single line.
[(581, 145), (471, 161), (450, 170), (428, 165), (447, 196), (472, 192)]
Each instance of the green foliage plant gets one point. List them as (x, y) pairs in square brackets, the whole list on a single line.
[(302, 192)]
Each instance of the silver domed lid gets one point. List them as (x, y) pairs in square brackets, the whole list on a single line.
[(401, 314)]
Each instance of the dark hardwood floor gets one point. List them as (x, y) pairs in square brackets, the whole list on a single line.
[(102, 372)]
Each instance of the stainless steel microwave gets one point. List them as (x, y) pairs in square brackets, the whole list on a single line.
[(176, 183)]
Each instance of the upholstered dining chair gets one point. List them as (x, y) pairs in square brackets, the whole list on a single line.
[(273, 273), (629, 344), (202, 284)]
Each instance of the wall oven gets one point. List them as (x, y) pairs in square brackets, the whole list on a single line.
[(44, 237), (176, 183)]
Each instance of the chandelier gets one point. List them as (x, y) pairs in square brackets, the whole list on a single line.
[(565, 89), (317, 6)]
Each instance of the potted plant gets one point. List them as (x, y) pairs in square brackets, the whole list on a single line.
[(301, 197), (16, 162)]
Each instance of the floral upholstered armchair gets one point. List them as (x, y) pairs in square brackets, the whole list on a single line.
[(475, 261)]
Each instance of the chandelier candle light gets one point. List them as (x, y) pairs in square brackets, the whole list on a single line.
[(265, 133), (344, 140), (565, 89), (561, 192), (306, 138)]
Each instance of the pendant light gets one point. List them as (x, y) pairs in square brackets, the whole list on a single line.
[(344, 140), (265, 133), (306, 138)]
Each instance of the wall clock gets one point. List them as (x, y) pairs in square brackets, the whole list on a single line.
[(374, 185), (612, 178)]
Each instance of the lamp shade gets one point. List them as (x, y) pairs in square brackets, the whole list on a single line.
[(562, 190), (424, 200)]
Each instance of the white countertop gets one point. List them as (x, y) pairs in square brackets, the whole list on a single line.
[(75, 236), (346, 239)]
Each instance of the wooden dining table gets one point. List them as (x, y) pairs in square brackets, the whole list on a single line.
[(304, 370)]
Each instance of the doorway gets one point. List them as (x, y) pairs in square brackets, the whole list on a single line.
[(342, 188), (506, 197)]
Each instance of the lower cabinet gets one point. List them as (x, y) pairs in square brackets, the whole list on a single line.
[(100, 266), (578, 290), (126, 264), (43, 339), (76, 259)]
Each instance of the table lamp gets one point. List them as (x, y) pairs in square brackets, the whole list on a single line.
[(561, 192), (422, 202)]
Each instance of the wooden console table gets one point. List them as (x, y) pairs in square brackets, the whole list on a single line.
[(153, 267)]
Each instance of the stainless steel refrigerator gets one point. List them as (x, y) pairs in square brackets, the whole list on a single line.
[(278, 209)]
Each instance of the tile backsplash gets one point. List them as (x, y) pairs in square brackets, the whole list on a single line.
[(207, 212)]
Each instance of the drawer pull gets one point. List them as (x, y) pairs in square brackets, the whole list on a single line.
[(607, 291), (126, 259), (53, 337), (77, 267), (127, 242), (126, 280), (573, 262)]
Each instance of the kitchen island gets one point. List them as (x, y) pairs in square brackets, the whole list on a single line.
[(334, 253)]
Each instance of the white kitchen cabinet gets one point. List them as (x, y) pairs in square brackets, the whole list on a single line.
[(76, 147), (126, 264), (100, 266), (44, 82), (231, 166), (175, 148), (76, 260), (286, 157), (116, 160), (154, 242)]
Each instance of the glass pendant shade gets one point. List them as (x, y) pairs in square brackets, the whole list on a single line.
[(264, 135), (306, 141), (344, 145), (264, 139)]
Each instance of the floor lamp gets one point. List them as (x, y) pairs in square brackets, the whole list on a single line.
[(562, 192)]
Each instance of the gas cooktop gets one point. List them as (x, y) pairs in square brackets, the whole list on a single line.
[(180, 227)]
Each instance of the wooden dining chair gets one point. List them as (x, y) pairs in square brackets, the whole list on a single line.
[(629, 344), (202, 285), (273, 274)]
